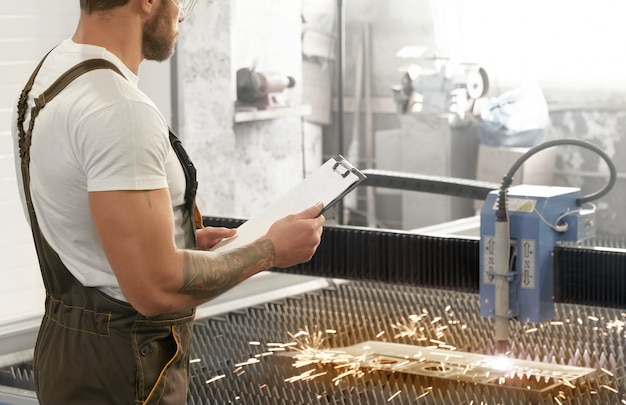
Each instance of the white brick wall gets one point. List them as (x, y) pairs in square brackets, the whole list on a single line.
[(28, 29)]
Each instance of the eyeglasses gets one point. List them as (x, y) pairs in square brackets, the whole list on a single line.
[(184, 7)]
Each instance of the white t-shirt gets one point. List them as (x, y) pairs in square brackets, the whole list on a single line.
[(101, 133)]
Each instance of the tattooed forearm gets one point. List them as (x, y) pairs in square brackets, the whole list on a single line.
[(208, 276)]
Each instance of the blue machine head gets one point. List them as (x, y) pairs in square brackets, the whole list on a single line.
[(538, 218)]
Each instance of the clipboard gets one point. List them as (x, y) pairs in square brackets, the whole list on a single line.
[(327, 184)]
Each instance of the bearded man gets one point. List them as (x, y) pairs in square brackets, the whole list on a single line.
[(110, 196)]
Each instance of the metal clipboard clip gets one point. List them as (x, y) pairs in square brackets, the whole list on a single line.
[(345, 169)]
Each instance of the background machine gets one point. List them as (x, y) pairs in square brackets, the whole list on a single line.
[(441, 86), (397, 317), (262, 90)]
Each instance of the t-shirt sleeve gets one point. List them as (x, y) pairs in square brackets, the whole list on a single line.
[(124, 147)]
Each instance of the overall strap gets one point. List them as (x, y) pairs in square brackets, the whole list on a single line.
[(57, 283), (23, 102), (25, 137), (190, 178)]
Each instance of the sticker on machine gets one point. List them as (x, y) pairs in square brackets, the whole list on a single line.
[(519, 204), (528, 258), (489, 259)]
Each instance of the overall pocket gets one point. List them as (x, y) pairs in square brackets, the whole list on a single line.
[(162, 356)]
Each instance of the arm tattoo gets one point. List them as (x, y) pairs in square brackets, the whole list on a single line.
[(207, 276)]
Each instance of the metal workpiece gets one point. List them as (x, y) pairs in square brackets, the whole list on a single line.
[(451, 364)]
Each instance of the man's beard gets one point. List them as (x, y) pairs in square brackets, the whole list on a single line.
[(158, 39)]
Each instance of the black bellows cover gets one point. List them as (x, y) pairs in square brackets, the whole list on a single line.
[(582, 275)]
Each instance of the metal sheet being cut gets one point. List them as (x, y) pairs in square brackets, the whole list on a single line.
[(433, 361)]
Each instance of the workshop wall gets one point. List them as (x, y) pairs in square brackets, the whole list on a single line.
[(581, 74), (268, 155), (374, 32), (586, 96), (577, 167), (29, 29), (21, 292), (242, 166)]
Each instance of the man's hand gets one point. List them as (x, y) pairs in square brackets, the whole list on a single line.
[(296, 237), (208, 237)]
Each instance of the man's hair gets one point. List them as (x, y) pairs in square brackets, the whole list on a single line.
[(100, 5)]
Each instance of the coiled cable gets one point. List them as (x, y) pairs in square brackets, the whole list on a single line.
[(508, 178)]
